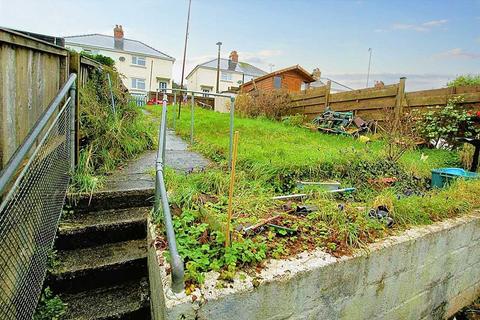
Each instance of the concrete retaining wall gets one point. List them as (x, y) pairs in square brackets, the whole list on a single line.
[(425, 273)]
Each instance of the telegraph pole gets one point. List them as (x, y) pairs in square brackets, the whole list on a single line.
[(369, 62), (184, 55)]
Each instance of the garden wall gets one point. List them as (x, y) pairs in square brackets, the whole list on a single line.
[(372, 103), (425, 273)]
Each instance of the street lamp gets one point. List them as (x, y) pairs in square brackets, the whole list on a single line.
[(369, 62), (219, 44)]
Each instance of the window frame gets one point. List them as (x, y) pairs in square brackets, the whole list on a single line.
[(277, 82), (135, 83), (135, 61)]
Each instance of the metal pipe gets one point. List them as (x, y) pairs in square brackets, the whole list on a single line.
[(164, 106), (230, 147), (111, 92), (174, 106), (162, 199), (16, 160), (72, 92), (199, 92), (192, 119)]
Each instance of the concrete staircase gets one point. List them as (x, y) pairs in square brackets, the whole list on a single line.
[(101, 249)]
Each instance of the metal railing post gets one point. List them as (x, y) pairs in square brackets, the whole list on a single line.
[(161, 201), (232, 114), (174, 108), (72, 92), (192, 119)]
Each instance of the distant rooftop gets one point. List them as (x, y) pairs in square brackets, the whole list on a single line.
[(230, 65), (107, 42)]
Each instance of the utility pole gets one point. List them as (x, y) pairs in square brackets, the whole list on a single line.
[(184, 55), (219, 44), (271, 65), (369, 62)]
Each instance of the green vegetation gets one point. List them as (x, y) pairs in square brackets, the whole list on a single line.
[(272, 157), (109, 135), (465, 80), (106, 61), (448, 123), (50, 307)]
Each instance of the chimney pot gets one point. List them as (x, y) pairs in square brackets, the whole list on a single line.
[(316, 74), (234, 56), (118, 37)]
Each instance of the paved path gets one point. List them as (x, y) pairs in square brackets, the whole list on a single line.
[(137, 173)]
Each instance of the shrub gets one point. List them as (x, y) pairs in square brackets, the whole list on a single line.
[(465, 80), (50, 307), (272, 104), (106, 61), (444, 125)]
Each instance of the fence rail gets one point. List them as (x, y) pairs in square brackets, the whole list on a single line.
[(33, 187), (372, 103)]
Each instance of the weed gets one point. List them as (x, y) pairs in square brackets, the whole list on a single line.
[(50, 307)]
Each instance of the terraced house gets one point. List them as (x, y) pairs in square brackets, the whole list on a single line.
[(143, 67)]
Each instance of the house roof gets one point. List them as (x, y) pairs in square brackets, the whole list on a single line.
[(107, 42), (304, 73), (229, 65)]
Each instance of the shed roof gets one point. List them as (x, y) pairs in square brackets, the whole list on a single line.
[(303, 73), (107, 42)]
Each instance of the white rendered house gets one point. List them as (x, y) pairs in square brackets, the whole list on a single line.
[(143, 67)]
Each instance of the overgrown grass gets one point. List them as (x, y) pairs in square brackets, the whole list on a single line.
[(271, 157), (109, 136)]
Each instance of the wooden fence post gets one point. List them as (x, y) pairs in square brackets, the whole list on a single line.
[(399, 101), (74, 67), (327, 93)]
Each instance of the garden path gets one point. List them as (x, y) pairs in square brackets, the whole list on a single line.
[(138, 173)]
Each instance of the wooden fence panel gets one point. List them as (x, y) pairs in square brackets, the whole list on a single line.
[(31, 73), (371, 103)]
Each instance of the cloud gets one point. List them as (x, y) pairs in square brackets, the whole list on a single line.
[(458, 53), (422, 27)]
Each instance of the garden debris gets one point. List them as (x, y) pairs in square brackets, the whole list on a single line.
[(259, 227), (282, 229), (333, 185), (341, 122), (381, 183), (333, 121), (291, 196), (305, 209), (381, 213)]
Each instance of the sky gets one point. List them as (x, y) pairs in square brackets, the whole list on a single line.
[(429, 42)]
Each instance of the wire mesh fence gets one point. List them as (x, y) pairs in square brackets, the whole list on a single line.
[(29, 216)]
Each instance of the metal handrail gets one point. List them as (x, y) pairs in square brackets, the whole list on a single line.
[(16, 160), (161, 198), (232, 114)]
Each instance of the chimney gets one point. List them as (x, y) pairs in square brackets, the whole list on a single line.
[(316, 74), (234, 56), (118, 37)]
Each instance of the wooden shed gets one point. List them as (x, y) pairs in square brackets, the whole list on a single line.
[(288, 79)]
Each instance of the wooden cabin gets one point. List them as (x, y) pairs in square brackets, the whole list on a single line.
[(289, 79)]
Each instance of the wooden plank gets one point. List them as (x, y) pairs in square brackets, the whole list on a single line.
[(369, 93), (467, 89), (310, 102), (21, 40), (398, 110), (378, 103)]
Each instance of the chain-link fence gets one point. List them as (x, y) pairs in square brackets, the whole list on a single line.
[(29, 216)]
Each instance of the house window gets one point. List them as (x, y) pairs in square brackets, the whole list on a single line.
[(162, 85), (226, 76), (277, 82), (206, 90), (138, 61), (138, 83)]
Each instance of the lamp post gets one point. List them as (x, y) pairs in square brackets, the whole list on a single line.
[(219, 44), (184, 55)]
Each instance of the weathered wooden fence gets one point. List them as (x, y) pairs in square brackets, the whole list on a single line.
[(207, 102), (372, 103), (31, 73)]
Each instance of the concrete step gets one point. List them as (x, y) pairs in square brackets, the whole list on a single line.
[(81, 230), (104, 265), (111, 199), (128, 300)]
